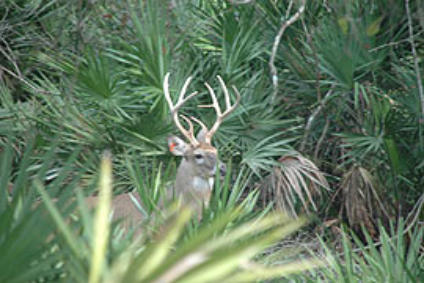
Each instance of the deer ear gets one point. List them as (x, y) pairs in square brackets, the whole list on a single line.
[(177, 146), (201, 136)]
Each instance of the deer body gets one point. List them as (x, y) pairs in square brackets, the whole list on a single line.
[(123, 208)]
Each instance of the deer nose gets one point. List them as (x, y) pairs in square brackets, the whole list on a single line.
[(222, 169)]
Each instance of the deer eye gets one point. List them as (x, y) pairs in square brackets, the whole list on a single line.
[(198, 156)]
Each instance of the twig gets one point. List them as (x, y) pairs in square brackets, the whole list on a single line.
[(416, 66), (10, 57), (313, 116), (284, 26), (418, 210), (289, 9), (321, 138), (240, 2), (25, 81), (315, 55), (392, 43)]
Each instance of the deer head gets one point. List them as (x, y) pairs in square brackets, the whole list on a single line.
[(200, 163)]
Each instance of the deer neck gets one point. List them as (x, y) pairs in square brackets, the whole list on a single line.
[(188, 179)]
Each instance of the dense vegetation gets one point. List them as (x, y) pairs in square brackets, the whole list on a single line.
[(330, 125)]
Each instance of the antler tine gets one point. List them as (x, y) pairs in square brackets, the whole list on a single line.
[(229, 108), (202, 125), (166, 90), (224, 88), (189, 134), (215, 103)]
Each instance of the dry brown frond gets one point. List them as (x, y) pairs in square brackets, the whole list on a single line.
[(361, 200), (296, 179)]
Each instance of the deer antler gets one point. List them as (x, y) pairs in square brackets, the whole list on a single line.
[(220, 116), (189, 134)]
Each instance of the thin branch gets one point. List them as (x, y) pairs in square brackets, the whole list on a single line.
[(10, 57), (321, 139), (284, 26), (312, 118), (416, 66), (315, 55), (415, 213), (288, 11), (28, 84), (241, 2), (393, 43)]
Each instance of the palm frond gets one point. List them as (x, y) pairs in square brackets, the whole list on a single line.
[(295, 179), (362, 201)]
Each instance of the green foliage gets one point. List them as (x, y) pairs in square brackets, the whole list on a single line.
[(171, 255), (26, 230), (78, 77), (96, 79), (395, 257), (76, 250)]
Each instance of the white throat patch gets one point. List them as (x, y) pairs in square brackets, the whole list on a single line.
[(211, 180), (202, 184)]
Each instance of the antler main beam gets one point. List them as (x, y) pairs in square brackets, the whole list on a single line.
[(229, 108), (189, 134)]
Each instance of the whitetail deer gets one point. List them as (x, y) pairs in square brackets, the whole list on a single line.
[(200, 164)]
